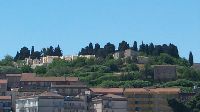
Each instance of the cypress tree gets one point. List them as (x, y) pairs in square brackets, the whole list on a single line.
[(191, 59)]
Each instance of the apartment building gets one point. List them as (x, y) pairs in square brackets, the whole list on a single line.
[(150, 99), (31, 82), (5, 104), (109, 103), (3, 87), (45, 102)]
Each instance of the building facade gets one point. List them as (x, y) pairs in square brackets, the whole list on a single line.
[(150, 99), (45, 102), (109, 103), (3, 87), (5, 104), (164, 72)]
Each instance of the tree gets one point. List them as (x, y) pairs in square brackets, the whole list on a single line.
[(123, 46), (109, 48), (40, 70), (173, 51), (151, 48), (178, 106), (50, 51), (101, 53), (37, 55), (7, 61), (58, 51), (24, 53), (135, 48), (26, 69), (17, 56), (32, 53), (90, 49), (191, 59), (147, 49), (44, 52), (142, 47), (96, 48)]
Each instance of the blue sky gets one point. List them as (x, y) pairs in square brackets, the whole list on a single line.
[(75, 23)]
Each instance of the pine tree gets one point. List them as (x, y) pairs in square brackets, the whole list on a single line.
[(123, 46), (96, 48), (191, 59), (109, 48), (135, 48), (58, 51), (32, 53)]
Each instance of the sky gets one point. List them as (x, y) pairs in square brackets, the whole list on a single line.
[(73, 24)]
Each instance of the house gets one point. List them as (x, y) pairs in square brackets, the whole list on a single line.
[(79, 103), (150, 99), (69, 58), (13, 80), (28, 61), (45, 102), (31, 82), (109, 103), (118, 55), (5, 104), (36, 61), (49, 59), (129, 53), (164, 72), (3, 87)]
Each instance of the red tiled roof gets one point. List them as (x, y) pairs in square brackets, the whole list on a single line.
[(49, 94), (107, 90), (3, 81), (153, 90), (33, 78), (5, 97)]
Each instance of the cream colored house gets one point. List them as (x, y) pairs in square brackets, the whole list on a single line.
[(48, 59)]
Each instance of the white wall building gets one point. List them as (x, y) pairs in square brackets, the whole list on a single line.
[(45, 102)]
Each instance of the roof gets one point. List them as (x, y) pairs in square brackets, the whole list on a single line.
[(164, 65), (33, 78), (13, 75), (107, 90), (3, 81), (5, 97), (153, 90), (44, 95), (113, 96), (166, 90), (49, 94)]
